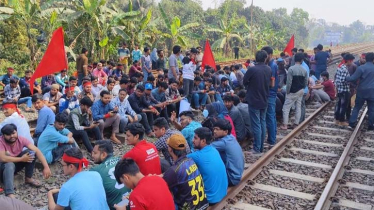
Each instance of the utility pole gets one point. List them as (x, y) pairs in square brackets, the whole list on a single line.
[(252, 49)]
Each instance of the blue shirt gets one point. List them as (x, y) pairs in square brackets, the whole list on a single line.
[(84, 190), (188, 132), (5, 79), (306, 67), (49, 140), (274, 73), (45, 117), (158, 96), (99, 109), (321, 61), (24, 83), (65, 103), (232, 156), (213, 171)]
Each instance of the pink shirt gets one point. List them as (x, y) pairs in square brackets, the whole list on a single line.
[(15, 149), (100, 74)]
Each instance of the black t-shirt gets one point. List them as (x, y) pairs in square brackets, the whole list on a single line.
[(236, 50)]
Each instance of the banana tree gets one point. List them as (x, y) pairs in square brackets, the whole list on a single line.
[(176, 33)]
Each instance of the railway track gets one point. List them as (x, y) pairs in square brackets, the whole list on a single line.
[(293, 174)]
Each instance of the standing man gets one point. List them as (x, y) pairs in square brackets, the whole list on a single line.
[(199, 56), (124, 54), (13, 159), (146, 63), (306, 90), (271, 119), (82, 64), (297, 79), (106, 115), (236, 52), (321, 60), (365, 90), (173, 63), (258, 82), (102, 155), (80, 123), (84, 189), (136, 54)]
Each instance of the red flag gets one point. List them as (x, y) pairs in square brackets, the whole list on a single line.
[(208, 58), (290, 46), (54, 59)]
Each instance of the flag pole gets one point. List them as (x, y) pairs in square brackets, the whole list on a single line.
[(252, 49)]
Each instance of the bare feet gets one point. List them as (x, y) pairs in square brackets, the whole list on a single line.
[(343, 123), (114, 139), (32, 182), (283, 127), (11, 196)]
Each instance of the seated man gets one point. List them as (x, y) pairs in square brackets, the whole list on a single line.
[(159, 92), (102, 155), (106, 115), (24, 84), (5, 79), (141, 106), (45, 115), (163, 133), (172, 95), (230, 151), (118, 72), (210, 165), (96, 87), (87, 91), (68, 101), (100, 74), (62, 79), (144, 153), (243, 109), (84, 189), (123, 83), (180, 176), (236, 117), (327, 85), (14, 204), (224, 88), (73, 82), (55, 139), (187, 125), (52, 98), (109, 87), (131, 87), (47, 81), (13, 116), (126, 113), (12, 93), (13, 159), (135, 68), (79, 122), (148, 192), (160, 106), (211, 90), (199, 94)]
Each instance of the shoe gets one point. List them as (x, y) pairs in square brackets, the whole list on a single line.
[(337, 122), (343, 124), (351, 127), (271, 146), (371, 128), (255, 154)]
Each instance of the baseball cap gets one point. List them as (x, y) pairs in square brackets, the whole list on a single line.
[(280, 60), (148, 86), (177, 142)]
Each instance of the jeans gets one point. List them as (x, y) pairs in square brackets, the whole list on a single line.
[(124, 121), (80, 78), (83, 134), (26, 100), (145, 74), (219, 97), (58, 152), (197, 97), (187, 88), (258, 127), (358, 105), (7, 170), (55, 198), (342, 105), (291, 98), (271, 121), (303, 107), (145, 123)]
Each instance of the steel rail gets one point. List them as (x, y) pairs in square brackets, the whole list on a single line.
[(324, 201), (256, 168)]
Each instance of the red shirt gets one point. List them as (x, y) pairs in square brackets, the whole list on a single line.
[(152, 192), (146, 157), (329, 88)]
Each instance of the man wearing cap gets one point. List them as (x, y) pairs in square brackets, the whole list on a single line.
[(52, 98), (45, 114), (13, 116), (210, 165), (5, 79), (87, 91), (13, 159), (183, 177), (12, 93), (126, 113), (102, 155), (84, 189), (62, 79), (143, 153), (68, 101), (229, 150)]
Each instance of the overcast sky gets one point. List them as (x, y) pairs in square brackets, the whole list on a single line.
[(342, 12)]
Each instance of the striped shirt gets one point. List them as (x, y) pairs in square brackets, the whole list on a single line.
[(340, 79)]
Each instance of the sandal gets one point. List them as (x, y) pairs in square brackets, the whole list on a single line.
[(34, 183)]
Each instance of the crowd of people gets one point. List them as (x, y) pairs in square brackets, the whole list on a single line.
[(192, 162)]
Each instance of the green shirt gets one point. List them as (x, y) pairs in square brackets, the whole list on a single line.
[(113, 190)]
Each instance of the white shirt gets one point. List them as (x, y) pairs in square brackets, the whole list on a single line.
[(96, 90), (23, 128), (188, 70)]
